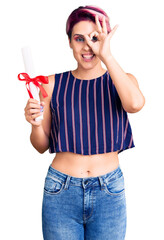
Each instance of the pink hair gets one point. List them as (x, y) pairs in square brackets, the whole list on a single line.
[(84, 14)]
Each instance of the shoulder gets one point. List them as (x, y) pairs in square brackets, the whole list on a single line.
[(51, 82), (49, 87)]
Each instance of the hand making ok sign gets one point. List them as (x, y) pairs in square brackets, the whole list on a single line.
[(101, 44)]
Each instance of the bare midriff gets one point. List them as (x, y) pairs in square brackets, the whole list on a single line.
[(81, 166)]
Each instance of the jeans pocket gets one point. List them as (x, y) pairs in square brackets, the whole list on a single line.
[(116, 186), (53, 185)]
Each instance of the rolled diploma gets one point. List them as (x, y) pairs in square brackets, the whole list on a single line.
[(29, 68)]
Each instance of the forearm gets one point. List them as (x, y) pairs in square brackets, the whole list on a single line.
[(39, 139), (129, 93)]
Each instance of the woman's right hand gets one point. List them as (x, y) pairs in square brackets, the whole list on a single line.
[(33, 110)]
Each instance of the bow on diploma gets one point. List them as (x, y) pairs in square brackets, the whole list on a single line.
[(35, 81)]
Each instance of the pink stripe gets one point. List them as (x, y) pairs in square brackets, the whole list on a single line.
[(103, 114), (80, 117), (122, 128), (54, 117), (88, 118), (126, 127), (111, 117), (130, 144), (55, 129), (65, 114), (73, 117), (96, 120), (57, 102), (117, 124)]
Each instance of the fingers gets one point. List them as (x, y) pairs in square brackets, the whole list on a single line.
[(31, 117), (32, 103), (104, 28), (88, 40), (94, 36), (113, 31), (33, 110), (99, 28)]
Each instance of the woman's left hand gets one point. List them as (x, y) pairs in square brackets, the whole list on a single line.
[(101, 47)]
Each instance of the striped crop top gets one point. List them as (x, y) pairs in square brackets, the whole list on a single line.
[(87, 116)]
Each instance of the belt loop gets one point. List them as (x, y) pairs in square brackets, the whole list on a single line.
[(67, 182), (101, 183)]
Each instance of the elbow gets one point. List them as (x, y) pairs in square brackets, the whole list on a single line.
[(139, 105), (136, 106), (41, 151)]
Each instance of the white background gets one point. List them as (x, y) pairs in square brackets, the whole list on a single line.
[(137, 45)]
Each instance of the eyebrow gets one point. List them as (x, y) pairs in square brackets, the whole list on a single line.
[(78, 35)]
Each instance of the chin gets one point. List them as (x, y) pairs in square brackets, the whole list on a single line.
[(88, 65)]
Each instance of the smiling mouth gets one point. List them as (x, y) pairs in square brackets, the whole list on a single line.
[(88, 56)]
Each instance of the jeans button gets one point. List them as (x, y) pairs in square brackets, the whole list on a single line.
[(85, 182)]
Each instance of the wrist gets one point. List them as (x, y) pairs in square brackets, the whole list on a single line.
[(36, 127), (38, 131), (107, 59)]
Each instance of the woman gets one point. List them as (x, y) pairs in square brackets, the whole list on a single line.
[(86, 125)]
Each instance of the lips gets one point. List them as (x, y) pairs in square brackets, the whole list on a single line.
[(88, 56)]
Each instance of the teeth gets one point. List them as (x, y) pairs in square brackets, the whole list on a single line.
[(87, 56)]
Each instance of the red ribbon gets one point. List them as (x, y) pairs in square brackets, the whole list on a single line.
[(36, 80)]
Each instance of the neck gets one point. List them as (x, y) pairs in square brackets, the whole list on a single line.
[(82, 73)]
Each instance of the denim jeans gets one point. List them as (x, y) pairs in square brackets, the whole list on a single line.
[(92, 208)]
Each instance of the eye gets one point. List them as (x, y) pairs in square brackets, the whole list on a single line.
[(79, 39), (94, 39)]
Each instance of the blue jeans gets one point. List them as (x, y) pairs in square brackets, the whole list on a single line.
[(92, 208)]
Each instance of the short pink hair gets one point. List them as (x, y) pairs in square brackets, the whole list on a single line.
[(84, 14)]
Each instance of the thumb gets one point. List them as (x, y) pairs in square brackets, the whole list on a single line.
[(113, 31)]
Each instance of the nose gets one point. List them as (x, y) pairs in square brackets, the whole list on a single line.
[(86, 46)]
